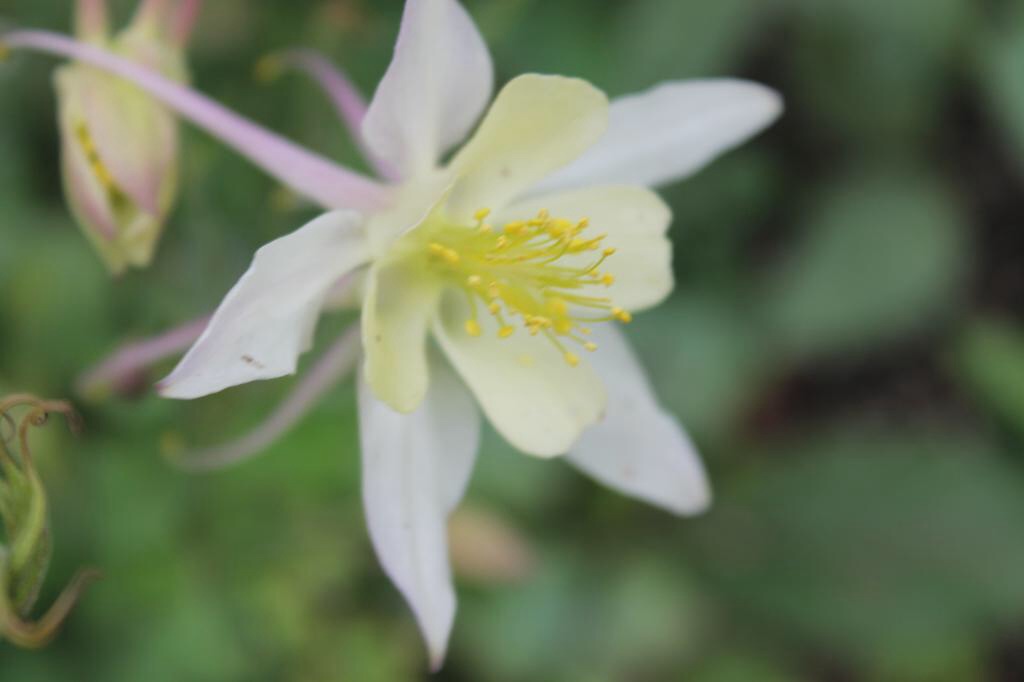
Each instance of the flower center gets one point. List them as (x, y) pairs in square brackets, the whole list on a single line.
[(538, 274)]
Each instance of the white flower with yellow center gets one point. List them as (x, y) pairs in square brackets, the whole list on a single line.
[(519, 258)]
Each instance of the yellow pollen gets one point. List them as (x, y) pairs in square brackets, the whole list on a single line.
[(538, 274), (558, 307), (622, 315)]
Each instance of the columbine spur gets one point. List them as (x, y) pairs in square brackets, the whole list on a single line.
[(518, 257)]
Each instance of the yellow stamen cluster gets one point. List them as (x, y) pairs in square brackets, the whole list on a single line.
[(540, 271)]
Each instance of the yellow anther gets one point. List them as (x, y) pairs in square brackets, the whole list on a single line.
[(559, 227), (528, 275), (558, 307), (586, 331), (5, 52), (622, 315), (542, 218)]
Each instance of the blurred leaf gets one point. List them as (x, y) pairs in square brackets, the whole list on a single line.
[(1001, 56), (741, 667), (715, 356), (991, 361), (883, 255), (887, 547), (874, 76), (658, 40)]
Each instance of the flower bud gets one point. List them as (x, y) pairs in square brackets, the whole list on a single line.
[(119, 146), (28, 545)]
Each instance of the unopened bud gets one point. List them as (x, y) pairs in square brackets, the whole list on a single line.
[(119, 146)]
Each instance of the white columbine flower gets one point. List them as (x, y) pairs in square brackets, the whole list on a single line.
[(518, 258)]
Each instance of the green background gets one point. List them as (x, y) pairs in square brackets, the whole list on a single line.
[(846, 344)]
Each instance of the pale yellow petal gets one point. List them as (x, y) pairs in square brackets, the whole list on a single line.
[(401, 300), (536, 125), (533, 397)]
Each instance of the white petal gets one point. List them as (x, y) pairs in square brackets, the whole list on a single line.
[(671, 132), (529, 392), (415, 470), (267, 320), (635, 220), (639, 449), (438, 84), (537, 125), (400, 304)]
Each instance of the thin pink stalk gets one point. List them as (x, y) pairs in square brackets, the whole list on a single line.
[(307, 173), (347, 100), (334, 365), (125, 369)]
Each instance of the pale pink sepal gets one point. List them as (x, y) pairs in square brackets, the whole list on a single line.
[(437, 86), (639, 449), (415, 471), (124, 368), (307, 173), (334, 365)]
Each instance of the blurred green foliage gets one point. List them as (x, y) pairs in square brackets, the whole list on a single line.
[(846, 344)]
